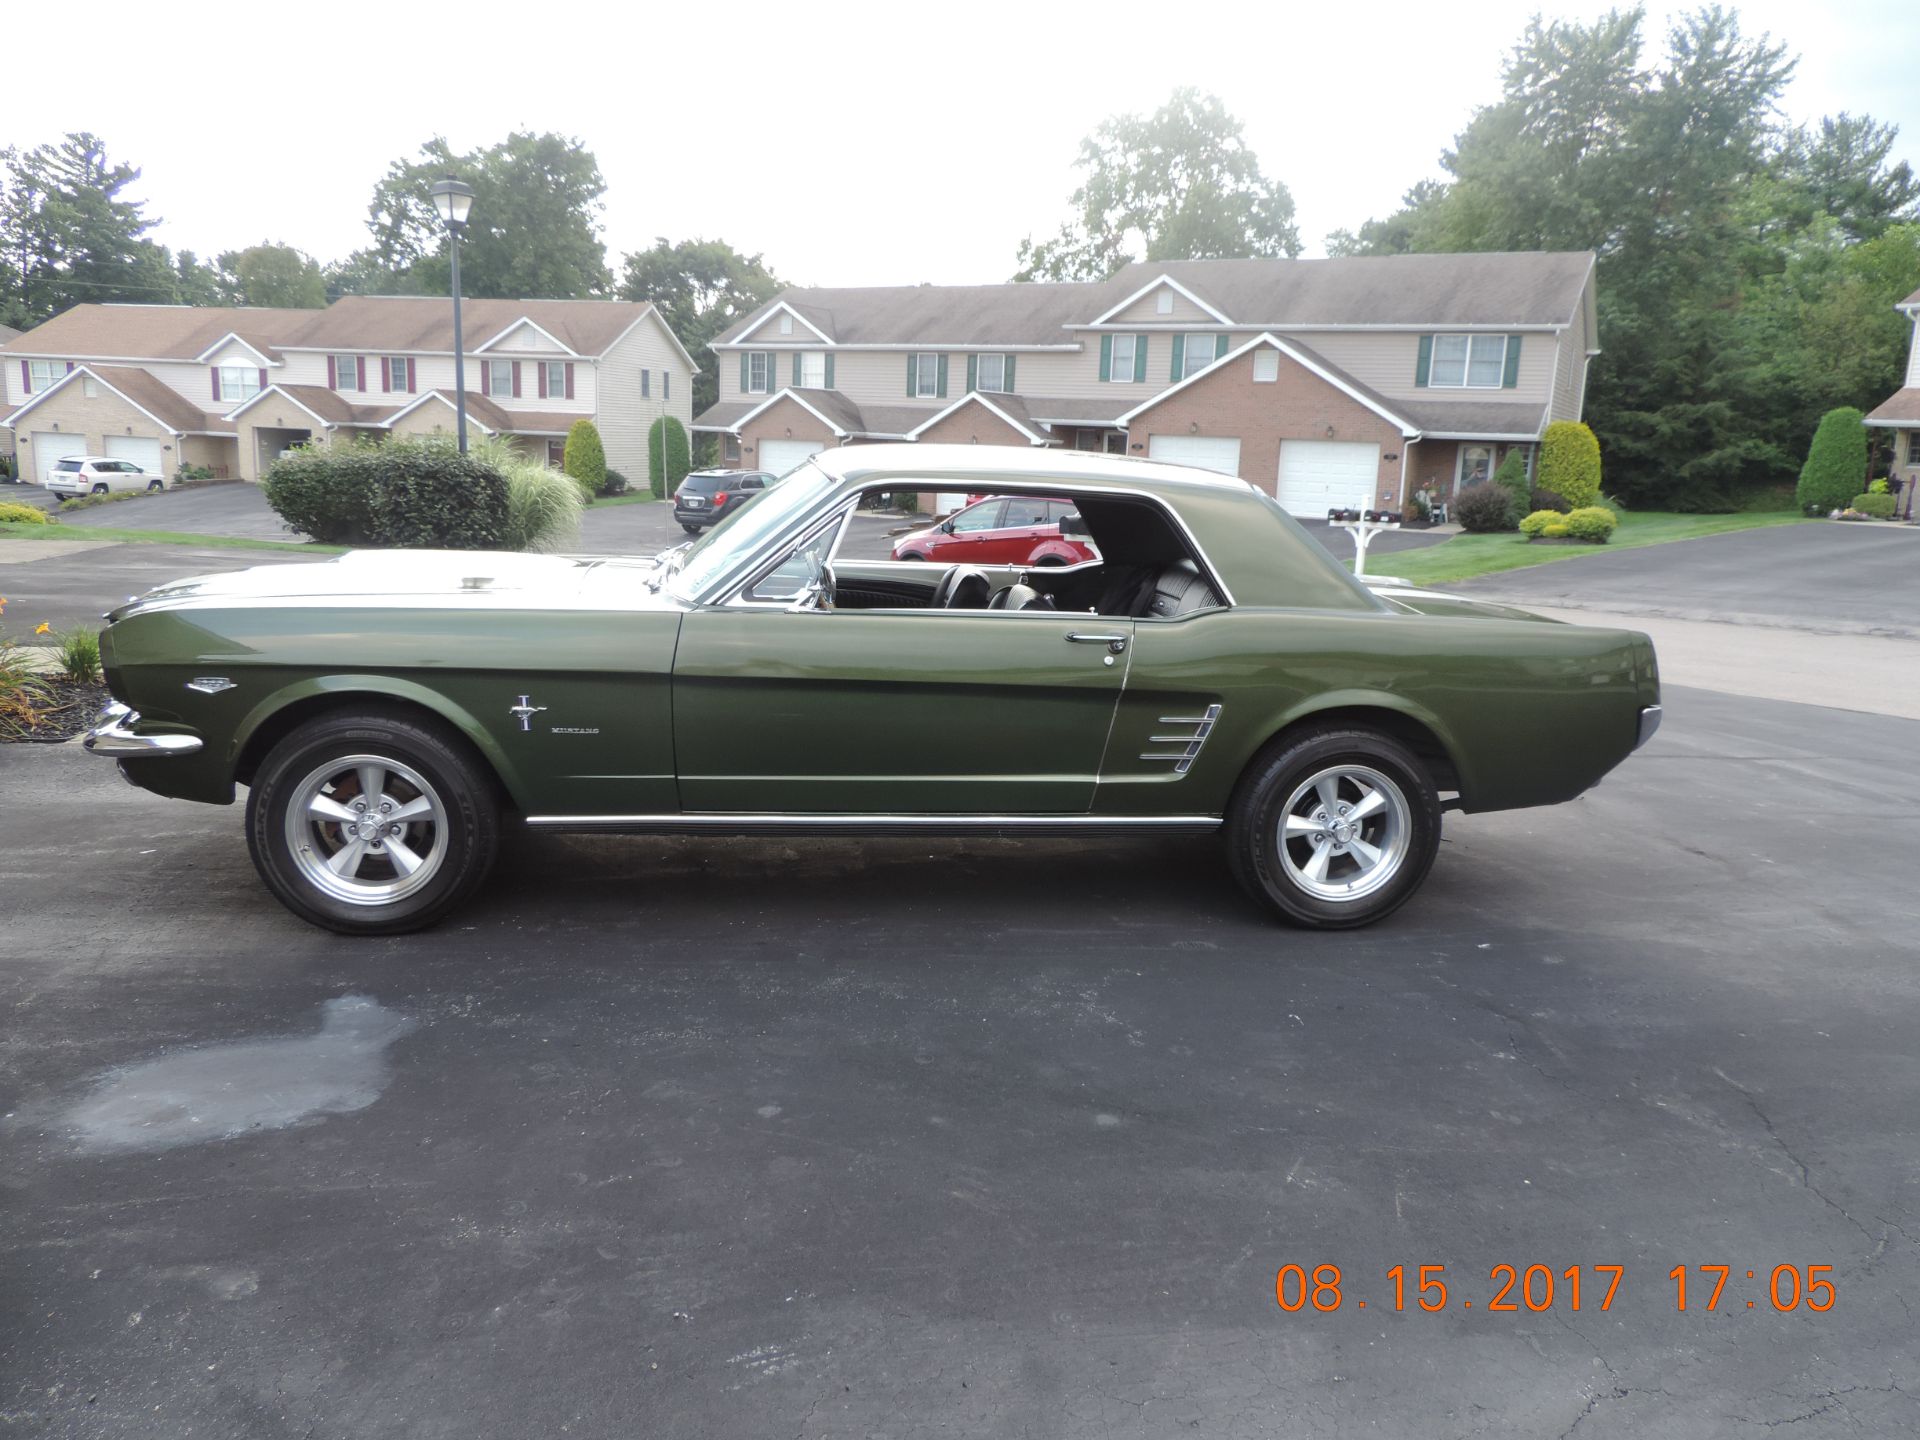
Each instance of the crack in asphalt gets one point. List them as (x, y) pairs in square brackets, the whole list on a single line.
[(1806, 1176)]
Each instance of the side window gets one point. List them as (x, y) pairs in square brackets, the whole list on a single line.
[(1023, 512), (984, 516)]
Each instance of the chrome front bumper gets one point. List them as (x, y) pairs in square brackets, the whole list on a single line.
[(112, 736), (1649, 722)]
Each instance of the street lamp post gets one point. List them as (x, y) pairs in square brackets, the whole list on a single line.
[(454, 200)]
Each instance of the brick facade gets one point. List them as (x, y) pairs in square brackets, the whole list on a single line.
[(973, 425), (1297, 405), (785, 420)]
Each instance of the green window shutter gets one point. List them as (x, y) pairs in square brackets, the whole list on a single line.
[(1424, 365), (1139, 358), (798, 370), (1512, 376), (829, 370), (745, 377), (913, 374), (940, 385), (973, 373), (1179, 356), (1007, 384), (1106, 357)]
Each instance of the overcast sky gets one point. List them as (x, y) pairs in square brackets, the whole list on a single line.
[(851, 144)]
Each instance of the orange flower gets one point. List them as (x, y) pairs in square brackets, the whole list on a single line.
[(42, 628)]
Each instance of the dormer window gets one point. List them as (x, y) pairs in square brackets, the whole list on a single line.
[(237, 382)]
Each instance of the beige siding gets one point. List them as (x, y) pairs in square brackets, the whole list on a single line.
[(1388, 362), (625, 415), (1913, 357), (768, 331), (216, 452), (1147, 309)]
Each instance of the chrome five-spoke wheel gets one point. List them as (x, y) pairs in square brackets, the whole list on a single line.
[(1345, 832), (366, 829)]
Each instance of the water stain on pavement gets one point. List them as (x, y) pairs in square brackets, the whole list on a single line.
[(218, 1092)]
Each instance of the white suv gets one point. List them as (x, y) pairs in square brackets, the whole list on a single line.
[(98, 475)]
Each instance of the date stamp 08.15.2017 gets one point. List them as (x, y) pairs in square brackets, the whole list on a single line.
[(1513, 1289)]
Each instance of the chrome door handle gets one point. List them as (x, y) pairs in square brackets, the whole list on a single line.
[(1115, 643)]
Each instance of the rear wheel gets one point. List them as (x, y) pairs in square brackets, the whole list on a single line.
[(372, 824), (100, 488), (914, 555), (690, 529), (1334, 828)]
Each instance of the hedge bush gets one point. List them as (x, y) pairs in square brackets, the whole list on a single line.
[(403, 493), (1484, 509), (1550, 500), (616, 484), (1511, 476), (1592, 523), (1556, 531), (1836, 462), (24, 514), (669, 457), (1570, 462), (1880, 506), (1538, 521), (585, 458)]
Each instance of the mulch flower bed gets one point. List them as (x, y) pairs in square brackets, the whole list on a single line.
[(67, 711)]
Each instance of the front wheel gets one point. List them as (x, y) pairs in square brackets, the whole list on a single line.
[(1334, 828), (155, 485), (372, 824)]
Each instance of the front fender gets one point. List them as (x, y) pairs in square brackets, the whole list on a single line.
[(384, 687)]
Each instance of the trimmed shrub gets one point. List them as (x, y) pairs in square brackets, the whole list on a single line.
[(585, 458), (24, 514), (1592, 523), (616, 484), (1538, 521), (1511, 476), (1879, 506), (1550, 500), (1570, 462), (1836, 462), (1556, 531), (1878, 487), (401, 493), (1484, 509), (669, 456)]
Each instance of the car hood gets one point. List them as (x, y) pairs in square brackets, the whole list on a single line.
[(409, 576)]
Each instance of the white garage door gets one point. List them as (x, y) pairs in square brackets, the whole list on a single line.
[(777, 457), (144, 453), (1318, 475), (49, 446), (1203, 452)]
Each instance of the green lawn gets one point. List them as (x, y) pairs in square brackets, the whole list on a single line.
[(632, 497), (23, 530), (1465, 556)]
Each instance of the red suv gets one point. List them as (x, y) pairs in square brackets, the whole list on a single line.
[(1000, 530)]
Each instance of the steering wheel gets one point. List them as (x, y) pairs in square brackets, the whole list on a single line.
[(964, 587)]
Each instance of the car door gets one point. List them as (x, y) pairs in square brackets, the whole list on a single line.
[(893, 712), (971, 537), (1023, 525)]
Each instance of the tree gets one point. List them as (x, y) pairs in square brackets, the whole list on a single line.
[(1179, 184), (585, 458), (1841, 172), (668, 456), (275, 275), (1570, 463), (533, 233), (700, 287), (1511, 476), (198, 284), (1836, 467), (72, 234)]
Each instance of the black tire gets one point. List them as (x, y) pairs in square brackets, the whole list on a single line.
[(459, 781), (99, 489), (690, 529), (914, 555), (1254, 848), (155, 485), (1046, 561)]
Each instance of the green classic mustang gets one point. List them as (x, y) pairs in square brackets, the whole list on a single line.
[(1212, 671)]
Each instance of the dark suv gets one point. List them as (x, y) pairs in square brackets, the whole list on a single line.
[(707, 495)]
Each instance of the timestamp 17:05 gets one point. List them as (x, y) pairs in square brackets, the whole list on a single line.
[(1540, 1287)]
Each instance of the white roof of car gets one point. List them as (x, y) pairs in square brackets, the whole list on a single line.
[(1011, 462)]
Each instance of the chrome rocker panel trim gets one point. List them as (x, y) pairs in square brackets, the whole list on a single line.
[(112, 737), (748, 823)]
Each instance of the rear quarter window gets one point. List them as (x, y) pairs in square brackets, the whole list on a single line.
[(69, 464)]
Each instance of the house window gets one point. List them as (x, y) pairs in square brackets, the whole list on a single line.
[(1477, 362), (1476, 466), (759, 372), (1913, 447), (556, 378), (1201, 351), (926, 376), (730, 449), (813, 369), (42, 373), (500, 377), (1266, 365), (1122, 368), (1163, 302), (646, 384), (346, 372), (786, 324), (396, 372), (992, 374), (556, 453), (239, 382)]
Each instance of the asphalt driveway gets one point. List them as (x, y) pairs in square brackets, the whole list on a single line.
[(986, 1138), (1827, 576)]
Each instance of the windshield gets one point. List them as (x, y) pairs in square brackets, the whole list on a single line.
[(763, 515)]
